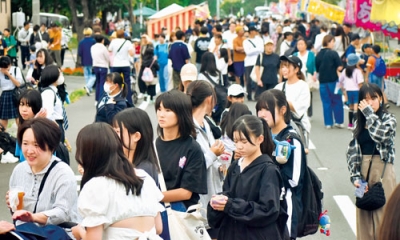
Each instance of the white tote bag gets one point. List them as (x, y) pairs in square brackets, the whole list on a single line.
[(253, 72), (189, 225)]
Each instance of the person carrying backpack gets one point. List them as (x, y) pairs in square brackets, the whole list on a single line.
[(376, 70)]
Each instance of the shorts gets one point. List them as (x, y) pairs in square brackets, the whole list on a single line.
[(377, 80), (238, 68), (352, 97)]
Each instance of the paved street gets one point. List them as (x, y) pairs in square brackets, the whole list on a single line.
[(327, 159)]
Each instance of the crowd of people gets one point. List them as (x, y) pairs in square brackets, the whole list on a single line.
[(210, 148)]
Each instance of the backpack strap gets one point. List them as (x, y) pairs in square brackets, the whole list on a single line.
[(121, 46), (252, 43), (212, 81), (54, 163)]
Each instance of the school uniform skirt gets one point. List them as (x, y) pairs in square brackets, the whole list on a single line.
[(8, 110), (368, 222)]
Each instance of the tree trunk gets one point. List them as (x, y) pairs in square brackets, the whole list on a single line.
[(75, 21), (55, 7), (130, 12)]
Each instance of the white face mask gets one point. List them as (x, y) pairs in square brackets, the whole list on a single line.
[(107, 88), (60, 79)]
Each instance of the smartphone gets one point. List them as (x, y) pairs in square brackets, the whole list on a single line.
[(359, 192)]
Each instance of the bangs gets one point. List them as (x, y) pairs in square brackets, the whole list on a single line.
[(371, 90), (243, 132), (24, 100)]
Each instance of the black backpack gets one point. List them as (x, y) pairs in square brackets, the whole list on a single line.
[(222, 94), (311, 198)]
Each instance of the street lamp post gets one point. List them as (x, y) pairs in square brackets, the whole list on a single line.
[(35, 12)]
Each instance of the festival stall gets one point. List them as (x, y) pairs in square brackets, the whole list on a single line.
[(176, 16), (380, 16), (329, 11)]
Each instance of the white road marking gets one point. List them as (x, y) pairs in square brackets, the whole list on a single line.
[(348, 210), (311, 145), (144, 105)]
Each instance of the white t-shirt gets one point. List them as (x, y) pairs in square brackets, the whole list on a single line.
[(103, 201), (285, 45), (214, 78), (252, 47), (299, 95), (121, 58), (54, 110), (351, 84), (5, 83), (229, 37), (222, 66)]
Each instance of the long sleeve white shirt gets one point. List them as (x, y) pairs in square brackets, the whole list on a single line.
[(100, 55), (24, 37), (252, 50)]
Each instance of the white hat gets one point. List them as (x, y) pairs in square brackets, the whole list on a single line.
[(189, 72), (287, 29), (235, 90)]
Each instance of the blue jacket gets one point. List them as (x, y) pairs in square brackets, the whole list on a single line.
[(106, 112), (84, 51)]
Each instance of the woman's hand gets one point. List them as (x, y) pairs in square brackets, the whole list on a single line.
[(80, 169), (363, 104), (5, 227), (218, 202), (259, 83), (76, 231), (23, 215), (218, 148), (42, 113)]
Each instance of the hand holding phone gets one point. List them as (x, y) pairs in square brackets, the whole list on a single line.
[(359, 192)]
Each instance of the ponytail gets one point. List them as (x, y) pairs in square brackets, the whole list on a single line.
[(124, 91), (268, 145)]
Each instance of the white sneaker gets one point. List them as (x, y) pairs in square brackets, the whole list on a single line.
[(140, 96), (95, 103), (8, 158)]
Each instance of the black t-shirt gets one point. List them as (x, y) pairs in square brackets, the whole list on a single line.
[(200, 47), (326, 63), (183, 166), (367, 145), (271, 65)]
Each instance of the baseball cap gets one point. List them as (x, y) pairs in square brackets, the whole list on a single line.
[(352, 59), (235, 90), (189, 72), (268, 41), (252, 28), (366, 45), (292, 59)]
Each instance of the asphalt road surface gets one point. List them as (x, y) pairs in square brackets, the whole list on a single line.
[(326, 158)]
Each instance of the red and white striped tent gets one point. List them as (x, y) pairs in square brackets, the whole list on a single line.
[(176, 16)]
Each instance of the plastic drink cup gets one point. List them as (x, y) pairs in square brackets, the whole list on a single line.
[(21, 194)]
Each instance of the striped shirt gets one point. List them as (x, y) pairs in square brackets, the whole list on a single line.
[(383, 131), (58, 199)]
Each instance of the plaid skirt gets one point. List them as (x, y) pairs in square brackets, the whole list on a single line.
[(8, 110)]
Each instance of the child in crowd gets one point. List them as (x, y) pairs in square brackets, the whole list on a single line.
[(249, 206), (235, 95), (113, 100), (274, 108), (350, 81), (236, 110), (31, 63)]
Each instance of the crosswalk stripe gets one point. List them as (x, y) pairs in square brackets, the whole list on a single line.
[(144, 105), (311, 145), (348, 210)]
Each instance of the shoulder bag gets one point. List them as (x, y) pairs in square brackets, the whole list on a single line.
[(43, 43), (253, 72), (17, 91), (374, 198), (148, 76), (184, 225)]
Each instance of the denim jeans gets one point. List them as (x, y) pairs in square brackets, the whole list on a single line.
[(101, 74), (377, 80), (90, 78), (331, 104), (126, 71), (163, 77)]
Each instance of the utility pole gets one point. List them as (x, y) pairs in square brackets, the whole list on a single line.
[(218, 9), (35, 12)]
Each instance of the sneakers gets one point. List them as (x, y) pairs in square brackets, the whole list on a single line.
[(350, 126), (339, 125), (140, 96), (8, 158), (328, 127), (87, 90)]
